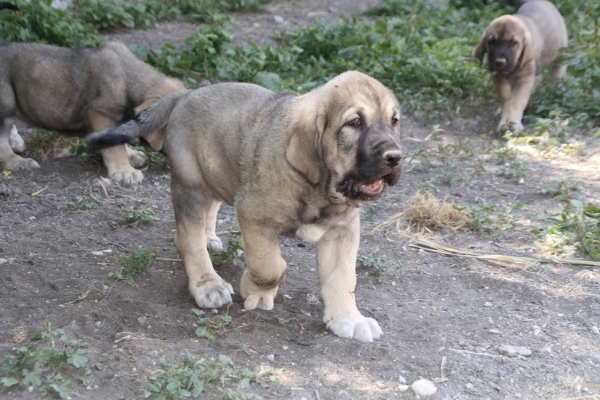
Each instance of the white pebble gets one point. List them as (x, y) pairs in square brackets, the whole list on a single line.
[(423, 387), (270, 357), (513, 351)]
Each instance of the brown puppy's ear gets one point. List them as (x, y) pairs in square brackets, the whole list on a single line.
[(156, 139), (303, 149), (526, 55), (481, 48)]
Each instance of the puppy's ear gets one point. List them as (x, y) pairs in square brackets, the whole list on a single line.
[(526, 55), (303, 149), (156, 139), (481, 48)]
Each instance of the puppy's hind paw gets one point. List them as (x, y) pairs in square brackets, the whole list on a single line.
[(215, 244), (212, 294), (18, 163), (362, 328), (136, 158)]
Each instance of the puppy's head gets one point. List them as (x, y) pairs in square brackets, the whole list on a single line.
[(351, 137), (507, 43)]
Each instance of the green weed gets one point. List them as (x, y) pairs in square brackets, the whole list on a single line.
[(209, 326), (562, 190), (134, 264), (193, 377), (375, 264), (42, 144), (490, 217), (86, 203), (234, 249), (46, 364), (576, 226), (139, 216), (5, 175)]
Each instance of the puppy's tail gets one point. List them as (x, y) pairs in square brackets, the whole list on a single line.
[(149, 124), (8, 6)]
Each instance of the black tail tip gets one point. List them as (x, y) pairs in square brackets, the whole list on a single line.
[(104, 140), (9, 6)]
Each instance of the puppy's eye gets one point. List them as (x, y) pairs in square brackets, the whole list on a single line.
[(492, 40), (355, 123), (513, 42), (395, 120)]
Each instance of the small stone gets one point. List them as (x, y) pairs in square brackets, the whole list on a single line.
[(488, 304), (595, 330), (513, 351), (279, 19), (402, 380), (271, 357), (98, 324), (331, 379), (380, 384), (141, 321), (423, 388), (471, 388), (403, 388)]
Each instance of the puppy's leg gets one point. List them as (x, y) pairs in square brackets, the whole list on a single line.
[(515, 106), (336, 258), (504, 91), (136, 158), (15, 140), (214, 243), (8, 158), (266, 267), (192, 205), (115, 158), (557, 72)]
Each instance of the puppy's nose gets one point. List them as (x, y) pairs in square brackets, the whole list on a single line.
[(500, 62), (392, 157)]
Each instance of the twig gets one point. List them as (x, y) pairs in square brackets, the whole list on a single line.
[(40, 191), (169, 259), (474, 353)]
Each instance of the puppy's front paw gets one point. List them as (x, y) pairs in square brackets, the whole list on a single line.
[(18, 163), (212, 294), (126, 176), (361, 328), (506, 125), (256, 297)]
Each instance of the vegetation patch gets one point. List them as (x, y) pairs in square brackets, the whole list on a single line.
[(134, 264)]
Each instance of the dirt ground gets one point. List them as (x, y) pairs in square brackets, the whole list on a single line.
[(444, 317)]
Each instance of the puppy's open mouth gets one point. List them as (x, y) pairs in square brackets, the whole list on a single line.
[(364, 191)]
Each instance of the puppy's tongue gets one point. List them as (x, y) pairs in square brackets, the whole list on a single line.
[(371, 188)]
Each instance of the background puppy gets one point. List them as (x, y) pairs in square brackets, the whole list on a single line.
[(519, 46), (291, 165), (76, 91)]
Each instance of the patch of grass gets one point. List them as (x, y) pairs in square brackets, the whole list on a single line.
[(134, 264), (43, 144), (491, 217), (5, 175), (234, 250), (375, 264), (47, 363), (193, 377), (86, 203), (209, 326), (562, 190), (142, 215), (576, 226)]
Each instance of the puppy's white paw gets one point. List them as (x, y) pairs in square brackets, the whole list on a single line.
[(15, 141), (212, 294), (18, 163), (215, 244), (506, 125), (136, 158), (362, 328), (126, 176), (255, 296)]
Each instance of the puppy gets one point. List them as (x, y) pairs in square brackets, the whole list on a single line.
[(76, 92), (291, 165), (519, 47)]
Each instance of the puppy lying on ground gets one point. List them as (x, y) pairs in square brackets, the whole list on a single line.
[(519, 47), (76, 91), (291, 165)]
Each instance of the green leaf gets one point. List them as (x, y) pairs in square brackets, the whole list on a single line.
[(8, 381), (270, 80)]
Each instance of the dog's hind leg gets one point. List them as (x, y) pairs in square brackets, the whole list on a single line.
[(115, 158), (192, 206), (336, 258), (15, 140), (8, 158), (214, 243), (557, 72)]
